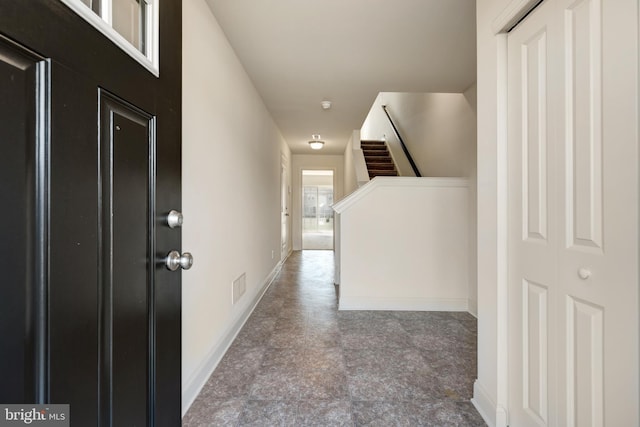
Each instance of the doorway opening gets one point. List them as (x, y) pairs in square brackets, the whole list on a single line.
[(317, 214)]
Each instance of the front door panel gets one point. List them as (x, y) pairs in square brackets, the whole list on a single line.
[(74, 293), (89, 314), (127, 187), (23, 169)]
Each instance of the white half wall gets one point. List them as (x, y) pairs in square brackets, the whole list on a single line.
[(404, 245), (439, 130), (312, 162), (231, 158)]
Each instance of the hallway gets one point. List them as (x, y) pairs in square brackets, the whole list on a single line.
[(299, 362)]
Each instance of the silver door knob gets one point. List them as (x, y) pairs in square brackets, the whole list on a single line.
[(175, 260), (174, 219)]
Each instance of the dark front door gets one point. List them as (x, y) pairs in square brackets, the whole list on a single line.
[(89, 167)]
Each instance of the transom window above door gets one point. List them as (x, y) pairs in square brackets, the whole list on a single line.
[(131, 24)]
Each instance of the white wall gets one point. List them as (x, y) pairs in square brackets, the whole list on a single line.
[(312, 162), (231, 178), (437, 128), (404, 245), (470, 97), (350, 180), (489, 397), (318, 180)]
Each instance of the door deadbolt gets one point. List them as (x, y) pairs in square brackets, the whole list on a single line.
[(175, 260), (174, 219)]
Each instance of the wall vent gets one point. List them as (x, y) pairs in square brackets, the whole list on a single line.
[(238, 288)]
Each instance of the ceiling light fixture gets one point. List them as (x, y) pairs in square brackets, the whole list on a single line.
[(326, 105), (316, 145)]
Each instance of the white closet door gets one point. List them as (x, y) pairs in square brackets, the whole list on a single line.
[(573, 211), (535, 79)]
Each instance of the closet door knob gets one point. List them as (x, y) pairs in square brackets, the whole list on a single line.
[(584, 274)]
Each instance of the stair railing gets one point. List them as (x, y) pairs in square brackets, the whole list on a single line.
[(404, 147)]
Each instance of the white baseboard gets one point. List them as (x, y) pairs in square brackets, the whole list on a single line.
[(494, 415), (191, 388), (473, 308), (484, 404), (403, 304)]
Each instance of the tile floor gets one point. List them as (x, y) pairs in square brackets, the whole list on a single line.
[(298, 361)]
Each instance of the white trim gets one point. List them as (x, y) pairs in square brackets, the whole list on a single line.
[(192, 386), (153, 36), (403, 304), (492, 414), (106, 14), (152, 62), (502, 418), (359, 163), (502, 218), (396, 181), (512, 14), (495, 413), (483, 403)]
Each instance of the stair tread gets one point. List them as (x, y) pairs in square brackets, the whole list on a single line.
[(373, 175), (378, 159), (382, 168), (378, 162)]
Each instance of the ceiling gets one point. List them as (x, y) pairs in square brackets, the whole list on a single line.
[(301, 52)]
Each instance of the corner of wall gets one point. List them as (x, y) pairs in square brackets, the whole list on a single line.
[(471, 95), (472, 307), (350, 182)]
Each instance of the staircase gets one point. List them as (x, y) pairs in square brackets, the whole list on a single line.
[(378, 159)]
